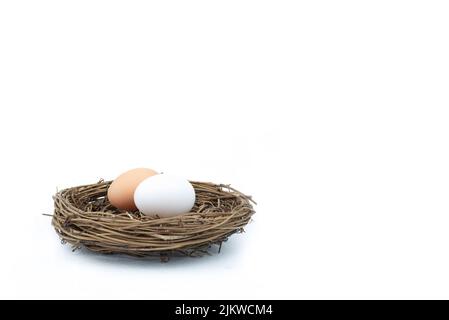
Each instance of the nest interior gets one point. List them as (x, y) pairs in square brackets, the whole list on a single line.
[(83, 217)]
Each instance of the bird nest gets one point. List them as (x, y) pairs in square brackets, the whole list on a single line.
[(83, 217)]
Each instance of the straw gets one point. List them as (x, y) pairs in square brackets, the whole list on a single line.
[(83, 217)]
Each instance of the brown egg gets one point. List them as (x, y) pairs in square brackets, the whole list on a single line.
[(121, 190)]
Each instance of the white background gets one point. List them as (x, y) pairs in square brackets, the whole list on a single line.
[(334, 115)]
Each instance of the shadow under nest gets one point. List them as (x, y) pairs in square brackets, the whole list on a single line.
[(83, 217)]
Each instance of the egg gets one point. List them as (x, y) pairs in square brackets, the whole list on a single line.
[(164, 195), (121, 191)]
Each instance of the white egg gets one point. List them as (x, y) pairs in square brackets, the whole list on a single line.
[(164, 195)]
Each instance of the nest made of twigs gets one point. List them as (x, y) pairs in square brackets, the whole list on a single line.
[(83, 217)]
